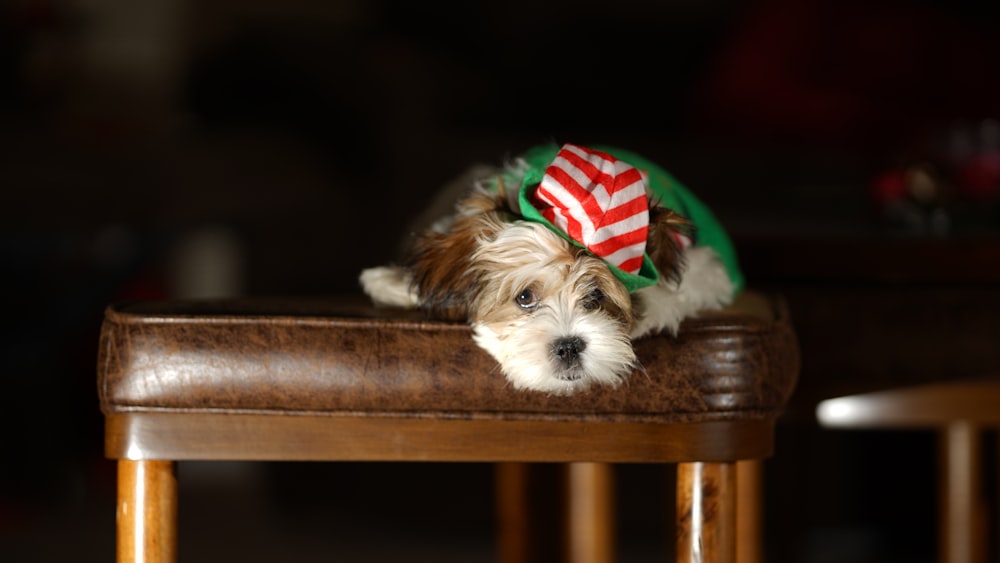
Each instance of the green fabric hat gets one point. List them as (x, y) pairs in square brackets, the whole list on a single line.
[(665, 190)]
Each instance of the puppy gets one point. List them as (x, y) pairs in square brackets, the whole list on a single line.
[(560, 258)]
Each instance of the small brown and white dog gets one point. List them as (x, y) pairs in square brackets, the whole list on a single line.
[(552, 312)]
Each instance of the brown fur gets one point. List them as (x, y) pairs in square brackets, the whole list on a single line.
[(661, 245), (440, 262)]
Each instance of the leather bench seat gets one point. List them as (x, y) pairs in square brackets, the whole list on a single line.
[(342, 357)]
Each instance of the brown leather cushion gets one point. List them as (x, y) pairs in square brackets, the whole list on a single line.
[(343, 357)]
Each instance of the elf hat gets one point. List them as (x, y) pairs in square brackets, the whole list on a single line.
[(596, 202)]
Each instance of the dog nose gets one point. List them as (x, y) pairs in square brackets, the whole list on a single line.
[(568, 349)]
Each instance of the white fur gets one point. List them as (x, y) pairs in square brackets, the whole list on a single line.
[(704, 285), (390, 286), (529, 255), (523, 351)]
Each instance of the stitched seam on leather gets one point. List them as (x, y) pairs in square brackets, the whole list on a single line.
[(678, 416)]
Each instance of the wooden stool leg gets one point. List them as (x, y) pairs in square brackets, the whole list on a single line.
[(147, 511), (513, 538), (749, 511), (706, 512), (962, 524), (530, 501), (590, 513)]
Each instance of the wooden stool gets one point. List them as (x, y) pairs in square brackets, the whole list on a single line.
[(338, 380), (959, 411)]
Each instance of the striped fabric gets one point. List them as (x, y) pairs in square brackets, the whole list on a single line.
[(600, 202)]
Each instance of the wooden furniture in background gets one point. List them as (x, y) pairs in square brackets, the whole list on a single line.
[(874, 310), (959, 411)]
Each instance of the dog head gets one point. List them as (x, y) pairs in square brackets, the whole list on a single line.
[(553, 316)]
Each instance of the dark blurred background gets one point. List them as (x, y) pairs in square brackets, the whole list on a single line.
[(172, 148)]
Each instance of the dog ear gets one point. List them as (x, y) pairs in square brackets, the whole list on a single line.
[(663, 244), (441, 261), (441, 273)]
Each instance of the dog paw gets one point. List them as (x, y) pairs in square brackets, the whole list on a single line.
[(389, 286)]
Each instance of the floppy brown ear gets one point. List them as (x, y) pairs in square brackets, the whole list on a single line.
[(441, 261), (662, 244), (441, 273)]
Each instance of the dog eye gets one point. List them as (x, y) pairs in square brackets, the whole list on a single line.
[(526, 299), (593, 300)]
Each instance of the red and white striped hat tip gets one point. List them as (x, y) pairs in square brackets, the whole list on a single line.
[(598, 201)]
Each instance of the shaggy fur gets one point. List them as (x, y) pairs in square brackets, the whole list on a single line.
[(553, 316)]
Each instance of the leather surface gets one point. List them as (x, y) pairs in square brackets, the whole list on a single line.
[(343, 357)]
